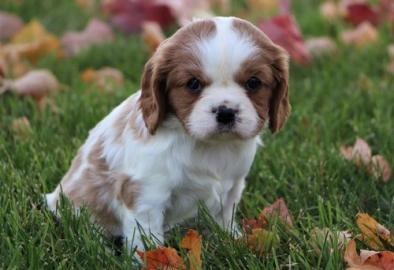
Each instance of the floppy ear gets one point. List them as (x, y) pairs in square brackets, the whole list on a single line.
[(280, 107), (153, 97)]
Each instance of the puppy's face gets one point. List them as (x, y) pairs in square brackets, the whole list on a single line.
[(221, 78)]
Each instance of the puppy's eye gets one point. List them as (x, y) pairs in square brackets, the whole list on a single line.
[(253, 84), (194, 85)]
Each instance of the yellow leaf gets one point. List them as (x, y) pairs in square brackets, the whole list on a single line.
[(373, 232), (192, 242), (34, 41)]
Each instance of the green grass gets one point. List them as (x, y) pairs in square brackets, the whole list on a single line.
[(334, 100)]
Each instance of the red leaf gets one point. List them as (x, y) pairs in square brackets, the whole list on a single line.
[(279, 209), (129, 15), (361, 12), (283, 30), (162, 258)]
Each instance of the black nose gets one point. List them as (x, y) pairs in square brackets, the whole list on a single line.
[(225, 115)]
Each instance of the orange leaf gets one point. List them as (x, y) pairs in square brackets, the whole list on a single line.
[(162, 258), (192, 242), (384, 260), (369, 260), (33, 41)]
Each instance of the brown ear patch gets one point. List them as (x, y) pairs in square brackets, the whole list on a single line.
[(272, 67), (173, 63)]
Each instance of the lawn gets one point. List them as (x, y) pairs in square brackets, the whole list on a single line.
[(334, 101)]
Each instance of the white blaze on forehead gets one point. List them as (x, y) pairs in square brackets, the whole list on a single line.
[(223, 53)]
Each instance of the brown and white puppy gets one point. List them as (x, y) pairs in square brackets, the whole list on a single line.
[(188, 136)]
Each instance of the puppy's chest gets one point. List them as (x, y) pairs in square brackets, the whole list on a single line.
[(186, 198), (206, 176)]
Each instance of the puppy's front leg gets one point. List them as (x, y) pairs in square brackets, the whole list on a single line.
[(146, 218), (226, 217)]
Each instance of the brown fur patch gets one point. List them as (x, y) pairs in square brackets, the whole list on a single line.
[(167, 72), (97, 186), (271, 66)]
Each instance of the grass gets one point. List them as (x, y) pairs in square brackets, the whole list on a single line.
[(334, 100)]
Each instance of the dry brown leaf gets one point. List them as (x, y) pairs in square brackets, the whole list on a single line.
[(153, 35), (361, 153), (37, 84), (279, 209), (380, 168), (329, 10), (192, 242), (363, 35), (96, 32), (162, 258), (320, 46), (390, 50), (390, 67), (21, 128), (9, 25), (33, 41), (107, 79)]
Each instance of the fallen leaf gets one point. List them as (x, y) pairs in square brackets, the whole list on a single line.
[(390, 50), (106, 79), (88, 5), (21, 128), (358, 13), (278, 209), (283, 30), (384, 260), (368, 260), (162, 258), (153, 35), (37, 84), (374, 234), (329, 11), (361, 155), (129, 16), (96, 32), (192, 242), (364, 34), (33, 42), (386, 10), (262, 241), (380, 168), (266, 7), (9, 25), (320, 46)]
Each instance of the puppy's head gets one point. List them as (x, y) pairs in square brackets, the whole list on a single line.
[(219, 77)]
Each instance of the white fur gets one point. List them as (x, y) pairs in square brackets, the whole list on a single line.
[(173, 169), (222, 56)]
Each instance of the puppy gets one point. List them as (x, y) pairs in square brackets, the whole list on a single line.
[(188, 136)]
